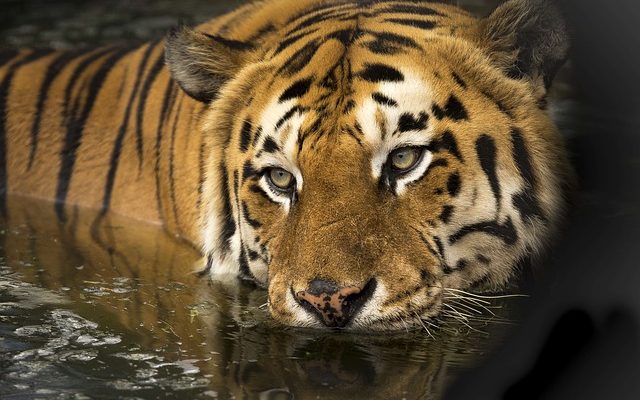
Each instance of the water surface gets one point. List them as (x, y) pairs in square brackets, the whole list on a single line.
[(109, 307)]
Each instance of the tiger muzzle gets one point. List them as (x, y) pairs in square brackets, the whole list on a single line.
[(334, 306)]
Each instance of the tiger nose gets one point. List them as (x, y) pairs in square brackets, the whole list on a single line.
[(334, 306)]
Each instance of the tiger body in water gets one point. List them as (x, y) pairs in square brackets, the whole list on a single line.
[(358, 159)]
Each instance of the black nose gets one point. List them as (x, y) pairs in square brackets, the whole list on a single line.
[(335, 306)]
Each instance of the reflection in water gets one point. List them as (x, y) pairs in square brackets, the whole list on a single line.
[(112, 308)]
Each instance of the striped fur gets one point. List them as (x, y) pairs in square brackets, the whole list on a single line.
[(326, 90)]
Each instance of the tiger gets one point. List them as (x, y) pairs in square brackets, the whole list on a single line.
[(360, 160)]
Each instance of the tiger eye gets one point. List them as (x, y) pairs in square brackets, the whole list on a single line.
[(405, 158), (281, 178)]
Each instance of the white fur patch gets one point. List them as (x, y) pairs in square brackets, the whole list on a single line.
[(301, 317), (286, 136), (412, 96), (372, 310)]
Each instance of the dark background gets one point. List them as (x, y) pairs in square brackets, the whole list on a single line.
[(77, 23), (581, 339)]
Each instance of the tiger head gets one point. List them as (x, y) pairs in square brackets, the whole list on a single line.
[(365, 158)]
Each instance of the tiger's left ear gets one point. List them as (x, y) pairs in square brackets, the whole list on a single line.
[(527, 39), (202, 63)]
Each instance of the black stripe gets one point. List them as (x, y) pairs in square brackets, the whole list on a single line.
[(483, 259), (461, 264), (522, 159), (299, 59), (379, 72), (207, 268), (144, 95), (415, 23), (348, 106), (426, 242), (324, 6), (394, 39), (270, 146), (248, 171), (453, 110), (344, 36), (201, 168), (447, 142), (288, 41), (459, 80), (389, 43), (486, 150), (245, 135), (247, 216), (229, 224), (498, 104), (257, 136), (53, 70), (167, 100), (440, 247), (255, 256), (288, 116), (75, 129), (314, 128), (445, 215), (172, 180), (453, 184), (407, 122), (506, 232), (255, 188), (318, 17), (411, 9), (353, 134), (5, 85), (526, 200), (298, 89), (440, 162), (245, 271), (384, 100), (260, 33), (230, 43)]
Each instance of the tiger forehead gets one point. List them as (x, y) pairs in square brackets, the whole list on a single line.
[(381, 28), (331, 63), (329, 41), (375, 104)]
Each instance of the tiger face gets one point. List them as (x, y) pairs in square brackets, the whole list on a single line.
[(364, 160)]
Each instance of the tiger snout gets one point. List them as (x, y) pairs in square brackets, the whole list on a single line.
[(334, 306)]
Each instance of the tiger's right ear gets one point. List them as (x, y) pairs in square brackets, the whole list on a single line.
[(202, 63)]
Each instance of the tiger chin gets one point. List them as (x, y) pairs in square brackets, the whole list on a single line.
[(361, 160)]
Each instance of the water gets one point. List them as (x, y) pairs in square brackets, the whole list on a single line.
[(112, 309), (105, 308)]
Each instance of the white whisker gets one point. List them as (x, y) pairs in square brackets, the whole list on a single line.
[(482, 296), (423, 325)]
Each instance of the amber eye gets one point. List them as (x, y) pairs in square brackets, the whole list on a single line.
[(405, 158), (281, 179)]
